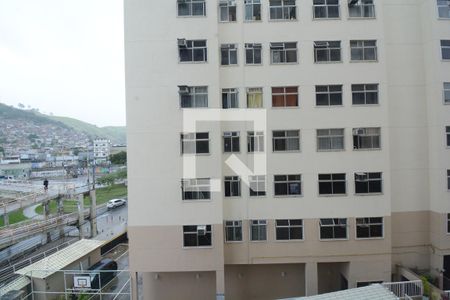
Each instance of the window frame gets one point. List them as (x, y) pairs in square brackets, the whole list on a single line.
[(250, 94), (448, 223), (257, 135), (190, 15), (226, 5), (319, 46), (192, 92), (235, 225), (287, 182), (286, 10), (364, 224), (283, 50), (332, 138), (253, 47), (192, 137), (286, 138), (370, 178), (231, 50), (362, 11), (447, 134), (192, 49), (445, 49), (327, 8), (329, 94), (191, 232), (231, 135), (439, 6), (288, 227), (196, 188), (230, 92), (366, 90), (446, 92), (257, 180), (372, 136), (363, 48), (334, 225), (252, 3), (332, 181), (260, 223), (231, 180), (285, 94), (448, 180)]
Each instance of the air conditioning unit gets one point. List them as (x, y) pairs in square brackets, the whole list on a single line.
[(201, 230), (183, 89), (358, 131), (182, 42), (361, 176)]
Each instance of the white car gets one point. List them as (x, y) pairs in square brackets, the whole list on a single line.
[(113, 203)]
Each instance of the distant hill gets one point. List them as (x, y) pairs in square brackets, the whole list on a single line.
[(117, 134)]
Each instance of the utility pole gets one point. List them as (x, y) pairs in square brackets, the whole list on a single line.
[(80, 215), (93, 209)]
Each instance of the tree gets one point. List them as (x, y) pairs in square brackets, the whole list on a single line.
[(119, 158)]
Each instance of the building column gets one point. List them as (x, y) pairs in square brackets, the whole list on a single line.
[(134, 285), (80, 215), (220, 285), (93, 213), (311, 280)]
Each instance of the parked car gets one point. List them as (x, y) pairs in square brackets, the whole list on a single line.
[(113, 203)]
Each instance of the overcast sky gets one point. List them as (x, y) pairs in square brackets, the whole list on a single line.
[(64, 57)]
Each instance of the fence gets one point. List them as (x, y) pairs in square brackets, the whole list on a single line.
[(405, 289)]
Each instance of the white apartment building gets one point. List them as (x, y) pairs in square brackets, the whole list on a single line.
[(102, 150), (349, 177)]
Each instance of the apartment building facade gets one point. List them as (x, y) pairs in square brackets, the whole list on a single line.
[(349, 175), (102, 150)]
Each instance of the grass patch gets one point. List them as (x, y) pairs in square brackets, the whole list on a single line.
[(14, 217), (103, 195)]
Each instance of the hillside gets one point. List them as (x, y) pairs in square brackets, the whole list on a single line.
[(116, 134)]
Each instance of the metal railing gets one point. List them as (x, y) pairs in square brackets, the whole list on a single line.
[(405, 289)]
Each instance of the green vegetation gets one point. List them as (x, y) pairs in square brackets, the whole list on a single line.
[(119, 158), (111, 178), (103, 196), (14, 217)]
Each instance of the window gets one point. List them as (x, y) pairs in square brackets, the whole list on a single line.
[(326, 9), (328, 95), (330, 139), (254, 98), (332, 184), (364, 94), (327, 51), (448, 223), (286, 140), (232, 186), (447, 131), (367, 138), (253, 54), (289, 229), (233, 231), (230, 98), (281, 53), (258, 230), (363, 50), (255, 141), (231, 141), (367, 228), (191, 8), (445, 48), (282, 10), (257, 185), (196, 189), (443, 9), (288, 185), (192, 50), (333, 229), (228, 54), (195, 143), (252, 10), (448, 180), (285, 96), (446, 92), (227, 11), (197, 235), (193, 96), (368, 183), (361, 9)]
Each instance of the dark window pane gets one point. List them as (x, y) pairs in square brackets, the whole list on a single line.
[(282, 233), (325, 188), (338, 187)]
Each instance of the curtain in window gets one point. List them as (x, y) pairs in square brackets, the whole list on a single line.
[(254, 100)]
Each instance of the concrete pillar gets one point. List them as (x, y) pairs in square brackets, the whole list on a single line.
[(311, 280), (93, 213), (80, 214), (134, 285), (60, 205), (220, 285), (46, 206), (5, 215)]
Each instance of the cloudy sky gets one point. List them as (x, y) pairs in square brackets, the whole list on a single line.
[(64, 57)]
